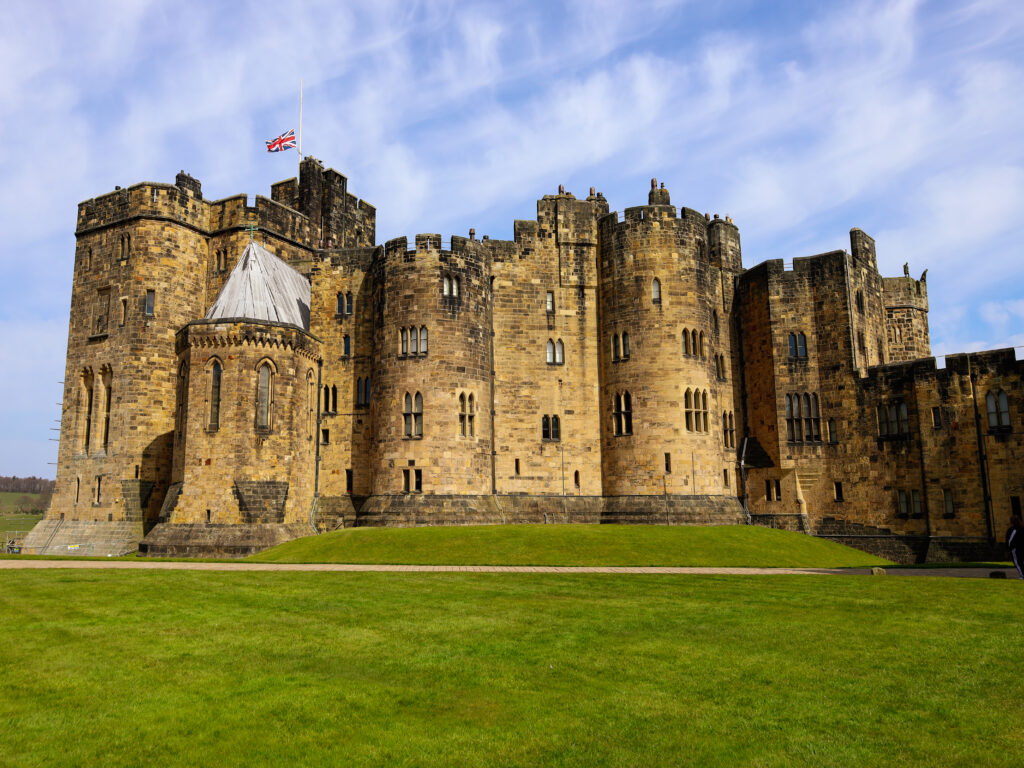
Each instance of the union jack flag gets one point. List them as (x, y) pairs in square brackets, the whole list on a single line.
[(282, 142)]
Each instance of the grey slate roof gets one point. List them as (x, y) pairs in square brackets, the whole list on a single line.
[(263, 287)]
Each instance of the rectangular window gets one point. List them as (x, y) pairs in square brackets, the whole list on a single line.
[(936, 417), (99, 484), (767, 490), (778, 490), (405, 480), (325, 436), (150, 302), (668, 464), (517, 467), (1015, 505), (947, 500), (904, 503), (348, 481), (916, 497), (725, 477), (550, 301), (838, 490), (124, 310), (419, 480)]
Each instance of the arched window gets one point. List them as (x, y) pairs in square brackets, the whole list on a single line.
[(407, 414), (702, 355), (998, 405), (456, 284), (472, 414), (414, 341), (550, 352), (405, 342), (833, 433), (463, 415), (860, 302), (732, 431), (686, 342), (559, 352), (883, 421), (107, 379), (215, 377), (576, 478), (423, 340), (725, 428), (790, 431), (359, 391), (688, 410), (556, 428), (417, 415), (627, 414), (656, 291), (348, 345), (447, 283), (366, 391), (625, 345), (792, 345), (348, 303), (694, 349), (334, 399), (808, 419), (264, 396), (327, 399), (615, 347), (617, 414), (704, 409), (78, 488), (904, 422), (816, 418), (340, 306), (545, 428), (801, 343)]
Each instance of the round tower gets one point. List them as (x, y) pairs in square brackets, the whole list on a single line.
[(431, 372), (667, 406)]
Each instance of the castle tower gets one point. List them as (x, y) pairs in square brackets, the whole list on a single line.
[(668, 412), (906, 316), (139, 276), (431, 377), (245, 439)]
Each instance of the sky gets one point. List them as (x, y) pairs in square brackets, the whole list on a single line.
[(798, 119)]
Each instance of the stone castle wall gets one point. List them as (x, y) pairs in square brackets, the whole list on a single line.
[(579, 277)]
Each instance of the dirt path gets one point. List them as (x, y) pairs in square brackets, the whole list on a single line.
[(164, 565)]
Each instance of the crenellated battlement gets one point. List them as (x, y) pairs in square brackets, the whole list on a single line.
[(905, 292), (144, 200)]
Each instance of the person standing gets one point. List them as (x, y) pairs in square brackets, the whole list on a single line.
[(1015, 543)]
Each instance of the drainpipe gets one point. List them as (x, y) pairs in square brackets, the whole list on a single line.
[(982, 458), (316, 444)]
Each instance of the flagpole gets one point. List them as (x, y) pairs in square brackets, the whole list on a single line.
[(300, 125)]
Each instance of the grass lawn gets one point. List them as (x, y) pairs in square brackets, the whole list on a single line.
[(19, 522), (226, 669), (734, 545), (15, 501)]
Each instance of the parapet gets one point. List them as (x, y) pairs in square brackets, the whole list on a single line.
[(905, 292)]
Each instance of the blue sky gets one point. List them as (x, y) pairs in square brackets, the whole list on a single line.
[(800, 120)]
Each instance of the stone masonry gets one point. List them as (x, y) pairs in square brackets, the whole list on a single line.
[(598, 367)]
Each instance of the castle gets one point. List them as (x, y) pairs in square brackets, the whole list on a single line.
[(240, 375)]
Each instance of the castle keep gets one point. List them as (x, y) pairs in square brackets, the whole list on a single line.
[(239, 375)]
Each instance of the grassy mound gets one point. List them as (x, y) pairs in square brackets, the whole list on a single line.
[(244, 669), (739, 546)]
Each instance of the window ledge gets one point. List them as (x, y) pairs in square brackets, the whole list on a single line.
[(949, 515), (98, 336), (1003, 430), (409, 437)]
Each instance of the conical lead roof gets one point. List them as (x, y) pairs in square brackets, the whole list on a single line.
[(263, 287)]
